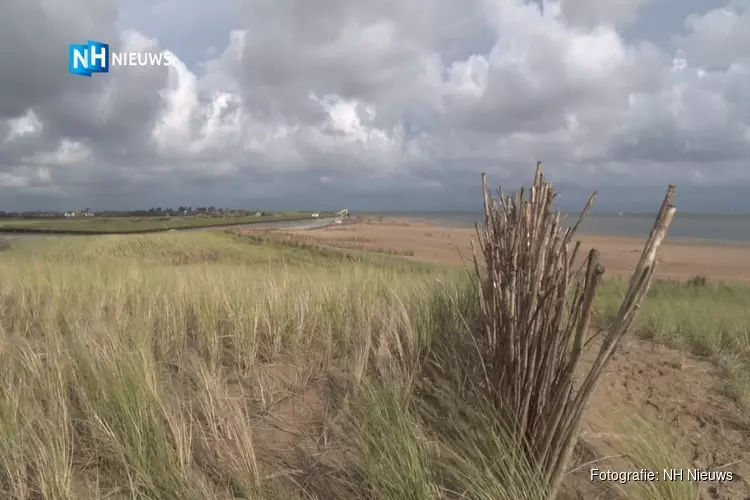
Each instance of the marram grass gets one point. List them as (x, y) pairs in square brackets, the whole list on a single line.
[(201, 366)]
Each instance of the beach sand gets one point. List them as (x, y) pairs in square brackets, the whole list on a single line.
[(426, 240)]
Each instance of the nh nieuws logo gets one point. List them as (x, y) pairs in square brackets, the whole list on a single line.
[(95, 57)]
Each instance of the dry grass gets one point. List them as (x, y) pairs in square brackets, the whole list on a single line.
[(264, 371), (208, 366), (126, 375)]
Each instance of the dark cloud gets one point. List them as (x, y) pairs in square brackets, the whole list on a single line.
[(378, 104)]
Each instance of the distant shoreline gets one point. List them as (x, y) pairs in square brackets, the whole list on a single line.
[(429, 240), (697, 229)]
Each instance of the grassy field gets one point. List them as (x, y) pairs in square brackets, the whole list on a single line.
[(122, 225), (206, 366)]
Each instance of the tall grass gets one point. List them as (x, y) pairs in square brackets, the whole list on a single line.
[(201, 366), (127, 372), (708, 319)]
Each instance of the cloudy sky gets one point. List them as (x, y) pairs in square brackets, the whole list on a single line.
[(376, 104)]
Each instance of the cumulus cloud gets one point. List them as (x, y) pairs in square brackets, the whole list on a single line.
[(371, 104), (718, 39)]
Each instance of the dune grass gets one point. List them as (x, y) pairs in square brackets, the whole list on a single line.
[(707, 319), (205, 366), (166, 366)]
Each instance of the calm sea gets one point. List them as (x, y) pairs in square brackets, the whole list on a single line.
[(725, 228)]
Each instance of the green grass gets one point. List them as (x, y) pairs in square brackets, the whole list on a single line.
[(710, 320), (123, 225), (204, 366)]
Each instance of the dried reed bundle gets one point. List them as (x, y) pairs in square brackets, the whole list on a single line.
[(536, 316)]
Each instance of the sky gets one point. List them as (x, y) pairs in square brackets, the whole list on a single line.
[(376, 104)]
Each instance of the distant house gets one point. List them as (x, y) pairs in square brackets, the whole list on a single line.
[(70, 214), (315, 216)]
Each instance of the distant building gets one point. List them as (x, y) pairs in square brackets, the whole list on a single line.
[(315, 216)]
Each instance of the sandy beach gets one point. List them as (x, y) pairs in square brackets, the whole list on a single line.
[(426, 240)]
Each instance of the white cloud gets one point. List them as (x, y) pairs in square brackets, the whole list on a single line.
[(719, 38), (24, 125), (68, 154), (346, 99)]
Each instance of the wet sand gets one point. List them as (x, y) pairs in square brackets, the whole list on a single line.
[(425, 240)]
